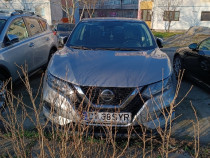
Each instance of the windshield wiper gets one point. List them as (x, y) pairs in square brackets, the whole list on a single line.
[(80, 47), (122, 49), (116, 49)]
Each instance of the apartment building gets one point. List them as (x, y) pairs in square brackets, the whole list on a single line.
[(179, 14), (114, 8)]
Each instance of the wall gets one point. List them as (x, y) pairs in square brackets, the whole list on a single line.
[(45, 8), (55, 11), (190, 15), (146, 5)]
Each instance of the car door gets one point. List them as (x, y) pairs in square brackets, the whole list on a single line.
[(48, 37), (191, 62), (204, 60), (16, 53), (40, 40)]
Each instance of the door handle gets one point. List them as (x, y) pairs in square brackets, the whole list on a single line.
[(31, 44)]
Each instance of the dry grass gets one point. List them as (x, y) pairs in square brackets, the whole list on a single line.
[(77, 139)]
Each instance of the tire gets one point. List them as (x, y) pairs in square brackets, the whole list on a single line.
[(2, 90), (52, 51), (177, 66)]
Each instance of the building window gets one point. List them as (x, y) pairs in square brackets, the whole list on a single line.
[(146, 14), (134, 1), (205, 16), (171, 16)]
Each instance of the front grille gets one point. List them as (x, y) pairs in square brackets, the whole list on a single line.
[(121, 94), (135, 105), (93, 94)]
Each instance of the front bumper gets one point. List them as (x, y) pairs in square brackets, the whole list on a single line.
[(59, 110)]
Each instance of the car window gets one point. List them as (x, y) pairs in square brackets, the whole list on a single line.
[(205, 45), (2, 23), (18, 28), (112, 34), (65, 27), (33, 26), (43, 24)]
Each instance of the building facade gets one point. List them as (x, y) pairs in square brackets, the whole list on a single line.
[(176, 16), (114, 8), (47, 9)]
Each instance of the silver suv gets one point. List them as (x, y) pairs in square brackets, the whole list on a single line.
[(106, 74), (25, 39)]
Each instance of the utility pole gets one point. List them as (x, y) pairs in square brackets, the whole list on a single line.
[(121, 1), (139, 10)]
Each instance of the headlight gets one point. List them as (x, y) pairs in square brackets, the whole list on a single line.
[(59, 85), (157, 88)]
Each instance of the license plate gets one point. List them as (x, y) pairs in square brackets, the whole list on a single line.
[(107, 117)]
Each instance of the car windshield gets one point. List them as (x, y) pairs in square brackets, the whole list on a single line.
[(112, 35), (65, 27), (2, 23)]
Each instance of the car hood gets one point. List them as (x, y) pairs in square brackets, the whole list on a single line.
[(110, 68)]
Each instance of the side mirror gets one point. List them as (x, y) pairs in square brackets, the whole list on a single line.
[(63, 40), (193, 46), (12, 38), (159, 42)]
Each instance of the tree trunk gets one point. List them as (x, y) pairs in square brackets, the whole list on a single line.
[(83, 9), (169, 25), (73, 11)]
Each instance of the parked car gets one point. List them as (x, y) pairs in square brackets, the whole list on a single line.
[(63, 30), (24, 39), (98, 75), (195, 60)]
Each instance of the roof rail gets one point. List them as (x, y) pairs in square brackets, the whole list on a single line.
[(19, 12), (4, 12)]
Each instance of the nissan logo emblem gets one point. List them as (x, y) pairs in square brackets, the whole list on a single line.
[(107, 95)]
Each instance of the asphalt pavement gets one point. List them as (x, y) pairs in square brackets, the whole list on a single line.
[(198, 98)]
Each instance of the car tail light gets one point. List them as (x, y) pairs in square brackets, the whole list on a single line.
[(54, 32)]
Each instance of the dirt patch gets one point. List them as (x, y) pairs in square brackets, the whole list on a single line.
[(193, 35)]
